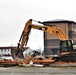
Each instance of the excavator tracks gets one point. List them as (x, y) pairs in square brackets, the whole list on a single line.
[(65, 58)]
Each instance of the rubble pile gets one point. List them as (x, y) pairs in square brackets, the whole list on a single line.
[(36, 60)]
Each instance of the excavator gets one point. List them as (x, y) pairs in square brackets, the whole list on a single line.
[(67, 53)]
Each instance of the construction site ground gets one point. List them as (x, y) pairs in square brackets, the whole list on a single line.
[(18, 67), (38, 71), (35, 63)]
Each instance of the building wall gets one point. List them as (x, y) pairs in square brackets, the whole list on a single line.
[(51, 42), (5, 51), (74, 33)]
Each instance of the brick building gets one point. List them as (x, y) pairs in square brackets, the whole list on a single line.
[(51, 42)]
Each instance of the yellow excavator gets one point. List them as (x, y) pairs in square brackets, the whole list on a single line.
[(66, 46)]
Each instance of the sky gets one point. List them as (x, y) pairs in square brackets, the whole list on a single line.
[(15, 13)]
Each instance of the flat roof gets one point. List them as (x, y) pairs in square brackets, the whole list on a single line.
[(59, 21), (10, 47), (7, 47)]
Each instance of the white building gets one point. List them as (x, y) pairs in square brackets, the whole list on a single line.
[(5, 51)]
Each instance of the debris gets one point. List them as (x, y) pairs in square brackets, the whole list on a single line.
[(35, 65), (30, 64)]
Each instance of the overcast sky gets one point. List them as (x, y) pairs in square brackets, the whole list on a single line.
[(15, 13)]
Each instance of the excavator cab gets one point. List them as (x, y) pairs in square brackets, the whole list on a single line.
[(67, 53), (66, 46)]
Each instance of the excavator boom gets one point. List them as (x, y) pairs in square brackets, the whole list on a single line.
[(28, 26), (50, 29)]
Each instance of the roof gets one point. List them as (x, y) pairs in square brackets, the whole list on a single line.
[(11, 47), (7, 47), (59, 21)]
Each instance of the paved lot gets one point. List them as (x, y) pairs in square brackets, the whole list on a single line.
[(37, 71)]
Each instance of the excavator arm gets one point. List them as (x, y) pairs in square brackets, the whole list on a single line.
[(50, 29), (28, 26)]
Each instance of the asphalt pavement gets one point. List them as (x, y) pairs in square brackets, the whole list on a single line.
[(37, 71)]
